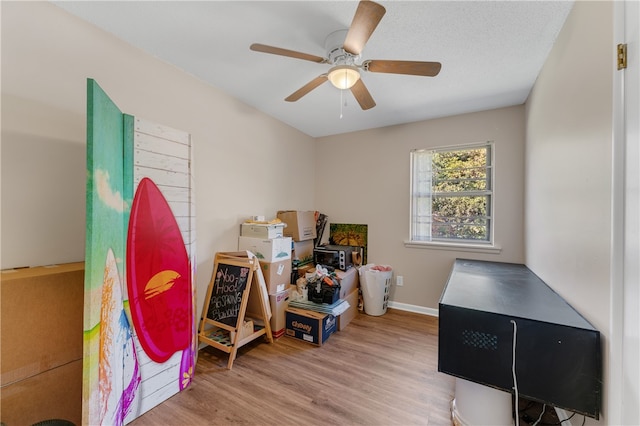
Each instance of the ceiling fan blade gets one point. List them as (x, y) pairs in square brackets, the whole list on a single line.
[(427, 69), (306, 88), (362, 95), (257, 47), (368, 15)]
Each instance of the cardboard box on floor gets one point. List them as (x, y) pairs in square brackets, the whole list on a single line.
[(41, 376), (52, 394), (345, 318), (301, 225), (309, 326), (278, 302)]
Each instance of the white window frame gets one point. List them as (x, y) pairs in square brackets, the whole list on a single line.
[(486, 246)]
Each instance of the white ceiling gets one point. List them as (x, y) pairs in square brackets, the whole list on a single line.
[(491, 53)]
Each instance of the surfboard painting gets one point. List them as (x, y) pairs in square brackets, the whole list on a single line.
[(158, 275), (139, 342), (117, 392)]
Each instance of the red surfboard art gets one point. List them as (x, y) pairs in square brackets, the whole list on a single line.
[(158, 275)]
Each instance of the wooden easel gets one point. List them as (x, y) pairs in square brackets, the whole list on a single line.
[(223, 317)]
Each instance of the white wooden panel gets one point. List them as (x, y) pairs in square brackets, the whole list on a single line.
[(183, 223), (162, 161), (161, 394), (151, 368), (168, 374), (160, 177), (164, 155), (180, 209), (145, 126), (150, 143), (175, 194), (156, 385)]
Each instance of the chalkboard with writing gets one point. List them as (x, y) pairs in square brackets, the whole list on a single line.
[(228, 287), (223, 324)]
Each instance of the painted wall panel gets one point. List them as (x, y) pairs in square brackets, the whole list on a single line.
[(139, 340)]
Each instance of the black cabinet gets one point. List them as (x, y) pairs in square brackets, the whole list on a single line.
[(486, 307)]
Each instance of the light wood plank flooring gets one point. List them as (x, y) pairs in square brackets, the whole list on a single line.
[(377, 371)]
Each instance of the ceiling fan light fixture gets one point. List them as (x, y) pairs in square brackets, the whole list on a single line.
[(344, 76)]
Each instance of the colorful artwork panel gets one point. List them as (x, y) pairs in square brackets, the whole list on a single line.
[(139, 325)]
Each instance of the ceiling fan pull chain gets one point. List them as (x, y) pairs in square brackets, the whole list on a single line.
[(341, 95)]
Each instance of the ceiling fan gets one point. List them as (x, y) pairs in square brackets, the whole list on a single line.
[(343, 52)]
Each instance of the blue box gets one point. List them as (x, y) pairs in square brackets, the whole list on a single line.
[(309, 326)]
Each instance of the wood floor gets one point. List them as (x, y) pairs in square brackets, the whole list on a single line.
[(377, 371)]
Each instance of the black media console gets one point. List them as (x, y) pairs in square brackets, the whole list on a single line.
[(558, 355)]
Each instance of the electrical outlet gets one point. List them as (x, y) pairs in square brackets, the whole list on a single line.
[(399, 281)]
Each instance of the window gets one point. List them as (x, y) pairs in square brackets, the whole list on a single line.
[(452, 195)]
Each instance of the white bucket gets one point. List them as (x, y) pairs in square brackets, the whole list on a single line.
[(476, 404)]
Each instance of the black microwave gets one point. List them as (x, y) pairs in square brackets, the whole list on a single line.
[(336, 256)]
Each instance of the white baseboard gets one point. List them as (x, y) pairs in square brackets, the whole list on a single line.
[(413, 308)]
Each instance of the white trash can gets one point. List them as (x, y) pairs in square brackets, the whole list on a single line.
[(375, 289)]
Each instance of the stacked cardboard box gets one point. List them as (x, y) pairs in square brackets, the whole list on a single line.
[(41, 339), (274, 255), (349, 285), (301, 225), (273, 250)]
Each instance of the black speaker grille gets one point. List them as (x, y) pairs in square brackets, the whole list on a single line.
[(477, 339)]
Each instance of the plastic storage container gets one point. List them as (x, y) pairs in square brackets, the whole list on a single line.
[(375, 285)]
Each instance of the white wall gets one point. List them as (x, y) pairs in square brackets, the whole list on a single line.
[(569, 167), (363, 177), (243, 161)]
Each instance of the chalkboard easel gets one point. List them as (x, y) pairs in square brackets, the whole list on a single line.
[(223, 324)]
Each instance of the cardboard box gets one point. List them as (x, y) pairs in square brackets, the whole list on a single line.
[(267, 249), (52, 394), (36, 304), (303, 269), (278, 303), (309, 326), (260, 230), (345, 318), (349, 281), (301, 225), (41, 339), (277, 275), (303, 251)]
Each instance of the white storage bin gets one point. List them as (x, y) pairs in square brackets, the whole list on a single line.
[(375, 289)]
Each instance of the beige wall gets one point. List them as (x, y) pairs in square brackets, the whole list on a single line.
[(363, 177), (47, 55), (243, 158), (244, 166), (568, 167)]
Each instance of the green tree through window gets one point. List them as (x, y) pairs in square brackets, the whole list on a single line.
[(452, 194)]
